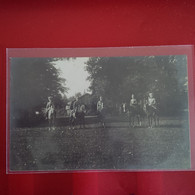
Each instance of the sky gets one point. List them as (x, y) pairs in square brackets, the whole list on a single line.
[(73, 70)]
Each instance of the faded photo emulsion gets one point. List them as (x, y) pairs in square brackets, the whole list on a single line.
[(98, 113)]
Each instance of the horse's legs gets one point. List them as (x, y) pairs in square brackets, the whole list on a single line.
[(103, 123), (71, 122), (83, 120), (101, 120), (157, 120), (133, 121), (129, 120), (154, 117), (74, 122), (79, 120), (49, 122), (139, 120), (53, 121), (150, 121)]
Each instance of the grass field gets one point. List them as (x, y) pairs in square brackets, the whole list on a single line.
[(115, 147)]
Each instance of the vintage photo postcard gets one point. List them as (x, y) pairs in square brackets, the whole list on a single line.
[(99, 109)]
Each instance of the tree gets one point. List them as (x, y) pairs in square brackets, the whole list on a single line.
[(116, 78), (32, 80), (78, 94)]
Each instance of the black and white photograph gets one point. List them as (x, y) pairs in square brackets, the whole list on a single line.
[(98, 113)]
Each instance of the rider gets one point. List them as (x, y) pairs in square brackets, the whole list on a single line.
[(100, 105), (152, 101), (100, 109), (133, 102), (49, 105), (73, 110), (75, 105), (132, 110)]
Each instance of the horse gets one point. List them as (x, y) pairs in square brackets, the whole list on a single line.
[(152, 113), (101, 117), (50, 115), (77, 116), (72, 119), (80, 115), (134, 113), (124, 107)]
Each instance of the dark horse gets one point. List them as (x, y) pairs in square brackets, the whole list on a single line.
[(72, 119), (101, 117), (133, 114), (80, 115), (77, 117)]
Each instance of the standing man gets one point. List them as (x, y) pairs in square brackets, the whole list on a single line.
[(100, 111)]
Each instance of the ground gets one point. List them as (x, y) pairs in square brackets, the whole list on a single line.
[(115, 147)]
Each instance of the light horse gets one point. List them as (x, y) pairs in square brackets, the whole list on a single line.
[(152, 113), (51, 116)]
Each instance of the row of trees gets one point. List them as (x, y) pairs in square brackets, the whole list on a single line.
[(116, 78), (32, 80)]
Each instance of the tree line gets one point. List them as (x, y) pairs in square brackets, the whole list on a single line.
[(116, 78), (32, 80)]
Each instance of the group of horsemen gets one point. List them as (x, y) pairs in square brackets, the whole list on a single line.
[(146, 107), (78, 111)]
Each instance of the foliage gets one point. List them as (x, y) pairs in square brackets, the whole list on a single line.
[(116, 78), (32, 80)]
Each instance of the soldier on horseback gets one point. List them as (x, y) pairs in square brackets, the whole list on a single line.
[(152, 101), (133, 103), (133, 111), (50, 105), (50, 112), (101, 112), (73, 109), (80, 115), (152, 111)]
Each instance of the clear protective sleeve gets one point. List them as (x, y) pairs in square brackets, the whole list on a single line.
[(100, 109)]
